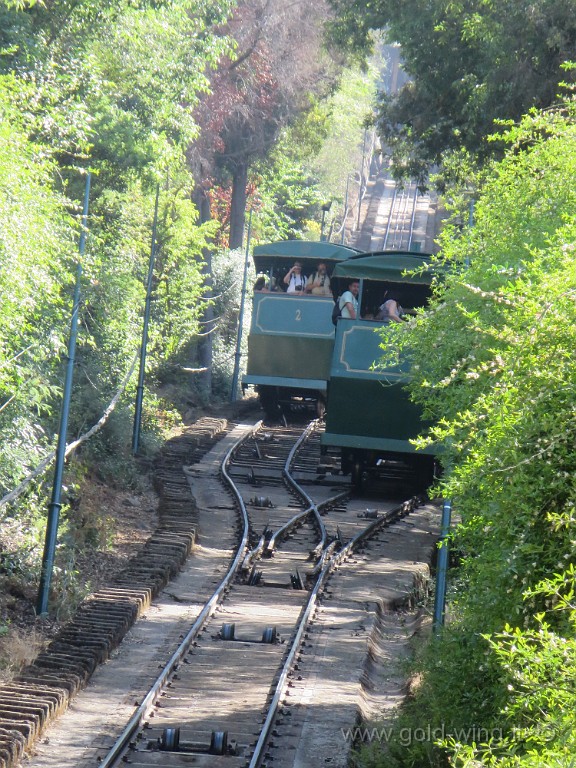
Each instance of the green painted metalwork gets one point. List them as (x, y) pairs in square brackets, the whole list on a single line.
[(368, 409), (386, 265), (52, 523), (289, 357), (304, 249), (289, 314), (358, 350), (274, 259), (292, 336)]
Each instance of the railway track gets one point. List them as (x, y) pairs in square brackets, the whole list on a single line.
[(218, 697), (398, 217), (401, 216), (319, 678), (43, 689)]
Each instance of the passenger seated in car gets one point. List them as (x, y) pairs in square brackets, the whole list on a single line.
[(318, 284), (295, 280), (348, 302), (260, 285), (390, 311)]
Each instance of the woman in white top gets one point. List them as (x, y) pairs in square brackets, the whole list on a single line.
[(294, 279), (390, 311)]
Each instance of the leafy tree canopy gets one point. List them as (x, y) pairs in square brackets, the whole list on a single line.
[(494, 366), (470, 63)]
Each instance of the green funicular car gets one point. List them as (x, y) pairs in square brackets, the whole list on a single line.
[(369, 415), (292, 334)]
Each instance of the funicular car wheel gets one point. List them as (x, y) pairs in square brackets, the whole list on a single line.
[(357, 474), (269, 402)]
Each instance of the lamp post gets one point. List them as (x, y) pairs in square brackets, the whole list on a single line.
[(325, 208), (147, 307)]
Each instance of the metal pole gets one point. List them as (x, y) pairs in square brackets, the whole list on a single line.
[(442, 567), (361, 180), (238, 353), (322, 225), (55, 504), (471, 213), (470, 224), (345, 210), (140, 387)]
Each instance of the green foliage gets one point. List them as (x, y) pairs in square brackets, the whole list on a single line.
[(349, 110), (493, 366), (35, 246), (111, 88), (469, 65), (228, 274), (288, 196), (310, 163), (541, 672)]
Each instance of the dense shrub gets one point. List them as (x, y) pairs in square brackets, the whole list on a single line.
[(494, 367)]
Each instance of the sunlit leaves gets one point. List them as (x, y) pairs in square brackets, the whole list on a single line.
[(495, 367), (470, 63), (110, 87)]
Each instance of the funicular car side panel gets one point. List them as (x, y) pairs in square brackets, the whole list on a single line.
[(369, 408), (291, 339), (292, 336)]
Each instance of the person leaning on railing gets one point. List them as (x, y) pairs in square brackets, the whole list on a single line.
[(390, 311)]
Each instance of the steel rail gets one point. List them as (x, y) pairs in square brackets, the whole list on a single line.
[(401, 216), (399, 208), (149, 700), (298, 488), (389, 224), (299, 516), (387, 519), (397, 226)]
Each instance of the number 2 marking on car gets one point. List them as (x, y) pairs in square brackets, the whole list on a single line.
[(298, 314)]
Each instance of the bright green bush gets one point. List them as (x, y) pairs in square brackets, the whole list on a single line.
[(494, 367), (36, 246)]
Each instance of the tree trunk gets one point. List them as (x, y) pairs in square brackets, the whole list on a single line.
[(238, 205), (204, 349)]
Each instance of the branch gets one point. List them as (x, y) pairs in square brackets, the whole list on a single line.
[(71, 446), (194, 370)]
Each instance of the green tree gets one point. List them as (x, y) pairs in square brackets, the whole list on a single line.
[(469, 65), (111, 88), (36, 246), (494, 367)]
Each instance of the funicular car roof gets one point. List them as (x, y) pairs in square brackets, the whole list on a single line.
[(387, 265), (269, 254)]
